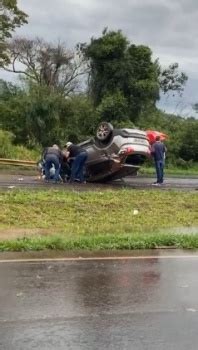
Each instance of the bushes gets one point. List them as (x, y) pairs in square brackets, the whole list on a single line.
[(8, 150), (6, 139), (183, 164)]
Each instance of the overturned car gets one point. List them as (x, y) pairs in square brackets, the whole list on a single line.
[(116, 153)]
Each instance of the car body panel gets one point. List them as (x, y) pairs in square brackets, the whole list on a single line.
[(120, 156)]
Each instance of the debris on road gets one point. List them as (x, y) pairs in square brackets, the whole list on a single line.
[(20, 179)]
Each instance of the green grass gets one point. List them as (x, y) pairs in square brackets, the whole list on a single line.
[(18, 170), (9, 150), (101, 242), (99, 220), (171, 170), (22, 153)]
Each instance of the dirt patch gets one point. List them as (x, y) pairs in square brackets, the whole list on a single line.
[(14, 233)]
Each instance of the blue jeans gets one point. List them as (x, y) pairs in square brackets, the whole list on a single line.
[(49, 162), (159, 166), (77, 170)]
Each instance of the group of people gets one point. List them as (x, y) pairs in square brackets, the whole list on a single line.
[(68, 163)]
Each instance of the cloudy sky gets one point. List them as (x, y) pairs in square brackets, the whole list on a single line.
[(169, 27)]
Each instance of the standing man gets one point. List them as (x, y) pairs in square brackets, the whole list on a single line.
[(79, 156), (52, 157), (158, 152)]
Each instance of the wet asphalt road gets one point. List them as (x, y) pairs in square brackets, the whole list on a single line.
[(32, 182), (141, 303)]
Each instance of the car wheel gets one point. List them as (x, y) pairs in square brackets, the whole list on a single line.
[(104, 131)]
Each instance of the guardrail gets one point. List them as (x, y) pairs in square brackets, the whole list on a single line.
[(18, 162)]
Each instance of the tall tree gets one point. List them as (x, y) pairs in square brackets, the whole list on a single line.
[(47, 64), (10, 18), (119, 67)]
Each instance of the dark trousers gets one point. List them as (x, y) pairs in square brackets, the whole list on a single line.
[(49, 162), (65, 171), (77, 170), (159, 166)]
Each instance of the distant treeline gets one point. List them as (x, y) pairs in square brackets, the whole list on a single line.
[(63, 95)]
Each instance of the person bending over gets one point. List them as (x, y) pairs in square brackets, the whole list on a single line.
[(79, 156), (52, 157)]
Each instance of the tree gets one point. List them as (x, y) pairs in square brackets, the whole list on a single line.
[(39, 116), (171, 79), (47, 64), (10, 18), (7, 90), (189, 147), (195, 107), (12, 106), (117, 65), (114, 108)]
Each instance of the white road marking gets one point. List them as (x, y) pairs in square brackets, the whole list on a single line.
[(40, 260)]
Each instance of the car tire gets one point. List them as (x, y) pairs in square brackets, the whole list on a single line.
[(104, 131)]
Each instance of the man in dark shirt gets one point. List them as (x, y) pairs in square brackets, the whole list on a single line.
[(79, 156), (52, 157), (158, 151)]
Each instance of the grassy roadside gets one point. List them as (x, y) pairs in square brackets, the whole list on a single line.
[(121, 219), (173, 171), (18, 170), (100, 242)]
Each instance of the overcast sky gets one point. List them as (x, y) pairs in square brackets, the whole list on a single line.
[(169, 27)]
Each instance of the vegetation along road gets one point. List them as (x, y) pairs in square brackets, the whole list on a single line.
[(97, 217)]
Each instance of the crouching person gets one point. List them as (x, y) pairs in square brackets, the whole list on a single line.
[(79, 156), (52, 157)]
